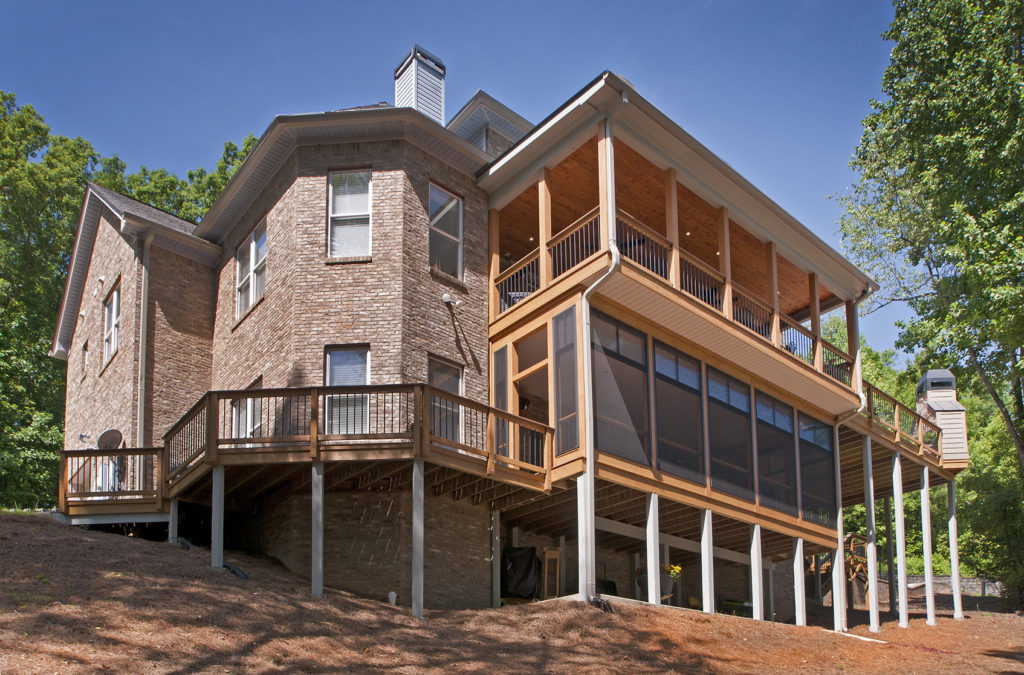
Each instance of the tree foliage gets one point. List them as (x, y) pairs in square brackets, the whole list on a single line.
[(42, 182), (938, 213)]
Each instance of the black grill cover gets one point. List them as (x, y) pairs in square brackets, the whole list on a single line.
[(520, 572)]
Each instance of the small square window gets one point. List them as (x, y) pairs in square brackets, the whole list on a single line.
[(445, 232), (348, 233)]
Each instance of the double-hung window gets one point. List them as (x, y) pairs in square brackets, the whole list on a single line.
[(445, 232), (445, 413), (111, 323), (252, 269), (346, 413), (348, 234)]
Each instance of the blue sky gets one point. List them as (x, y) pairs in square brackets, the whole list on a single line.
[(777, 89)]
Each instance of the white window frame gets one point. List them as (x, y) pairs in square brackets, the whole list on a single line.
[(356, 416), (111, 323), (433, 228), (247, 414), (247, 277), (332, 216), (436, 404), (85, 360)]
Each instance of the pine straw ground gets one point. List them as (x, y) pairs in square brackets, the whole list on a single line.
[(73, 600)]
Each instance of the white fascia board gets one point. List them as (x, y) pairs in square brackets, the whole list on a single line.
[(201, 250)]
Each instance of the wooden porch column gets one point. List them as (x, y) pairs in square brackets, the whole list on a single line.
[(725, 262), (812, 279), (872, 536), (799, 590), (653, 551), (756, 574), (707, 563), (954, 550), (926, 547), (901, 540), (672, 224), (773, 274), (172, 523), (317, 535), (544, 221), (853, 344), (605, 181), (839, 564), (495, 559), (217, 519), (417, 538), (494, 306)]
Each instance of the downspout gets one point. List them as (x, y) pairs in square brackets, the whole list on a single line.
[(588, 366), (140, 435)]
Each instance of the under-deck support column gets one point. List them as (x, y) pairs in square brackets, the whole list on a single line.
[(818, 595), (926, 546), (653, 551), (172, 523), (901, 540), (799, 589), (587, 553), (496, 559), (839, 563), (872, 537), (317, 539), (954, 550), (889, 556), (561, 565), (756, 574), (217, 519), (707, 563), (417, 538)]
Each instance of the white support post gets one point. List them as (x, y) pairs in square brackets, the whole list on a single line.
[(954, 550), (818, 595), (317, 539), (587, 551), (514, 537), (638, 592), (417, 538), (771, 593), (653, 551), (889, 559), (926, 546), (666, 560), (496, 559), (872, 538), (172, 523), (707, 563), (217, 519), (901, 540), (756, 574), (839, 564), (799, 590)]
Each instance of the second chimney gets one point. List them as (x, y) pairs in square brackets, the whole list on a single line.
[(419, 83)]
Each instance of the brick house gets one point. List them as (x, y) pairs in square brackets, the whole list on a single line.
[(370, 361)]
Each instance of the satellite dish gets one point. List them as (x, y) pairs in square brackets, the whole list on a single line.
[(109, 440)]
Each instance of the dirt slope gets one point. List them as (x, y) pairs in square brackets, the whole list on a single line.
[(79, 601)]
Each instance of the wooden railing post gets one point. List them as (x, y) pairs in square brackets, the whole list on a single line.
[(869, 391), (425, 421), (896, 420), (212, 424), (163, 468), (549, 456), (491, 441), (314, 424)]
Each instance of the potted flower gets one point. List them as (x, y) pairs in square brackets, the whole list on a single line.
[(669, 575)]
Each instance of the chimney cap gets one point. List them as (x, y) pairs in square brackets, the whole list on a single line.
[(941, 379), (417, 50)]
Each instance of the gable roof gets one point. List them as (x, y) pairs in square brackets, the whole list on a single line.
[(133, 218), (482, 110)]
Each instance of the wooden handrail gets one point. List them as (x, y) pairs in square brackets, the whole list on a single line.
[(700, 264), (518, 265), (753, 297), (573, 226), (835, 350), (644, 229), (186, 418), (796, 325), (118, 452)]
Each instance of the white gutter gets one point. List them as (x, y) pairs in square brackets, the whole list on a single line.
[(140, 431), (588, 366)]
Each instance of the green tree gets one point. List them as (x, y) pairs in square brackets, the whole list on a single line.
[(42, 183), (938, 213)]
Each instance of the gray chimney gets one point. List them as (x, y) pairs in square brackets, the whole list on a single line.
[(937, 402), (419, 83)]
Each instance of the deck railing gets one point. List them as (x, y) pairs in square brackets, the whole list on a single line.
[(122, 475), (751, 313), (643, 245), (519, 281), (905, 425), (700, 280), (575, 244)]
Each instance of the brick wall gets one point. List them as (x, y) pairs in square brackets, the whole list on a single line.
[(105, 398), (368, 544), (178, 363)]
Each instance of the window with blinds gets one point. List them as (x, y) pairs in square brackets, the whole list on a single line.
[(251, 276), (111, 323), (346, 413), (348, 233)]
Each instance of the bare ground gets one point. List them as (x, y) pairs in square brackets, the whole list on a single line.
[(81, 601)]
